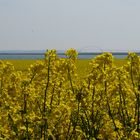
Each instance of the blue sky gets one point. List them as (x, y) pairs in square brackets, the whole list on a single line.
[(62, 24)]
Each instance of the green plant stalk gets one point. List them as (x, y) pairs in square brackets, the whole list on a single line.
[(138, 118), (47, 85), (89, 130), (59, 95), (110, 114), (12, 125), (25, 106), (121, 107), (52, 97), (69, 76), (109, 109), (133, 84), (74, 127), (68, 132), (1, 85), (45, 96)]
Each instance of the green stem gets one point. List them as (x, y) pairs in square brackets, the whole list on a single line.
[(69, 75), (45, 97)]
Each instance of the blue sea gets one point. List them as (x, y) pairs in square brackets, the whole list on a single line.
[(40, 55)]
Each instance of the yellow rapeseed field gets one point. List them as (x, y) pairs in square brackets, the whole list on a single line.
[(70, 99), (82, 65)]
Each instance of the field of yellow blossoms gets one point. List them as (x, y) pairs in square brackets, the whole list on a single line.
[(51, 102)]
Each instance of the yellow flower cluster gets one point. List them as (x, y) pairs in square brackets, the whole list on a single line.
[(51, 102)]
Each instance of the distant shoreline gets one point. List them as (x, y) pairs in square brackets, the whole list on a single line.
[(41, 55), (83, 53)]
